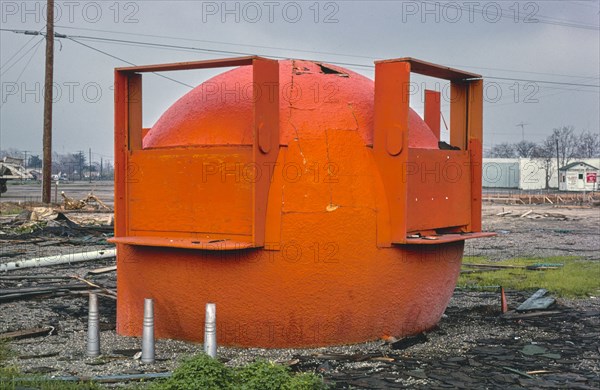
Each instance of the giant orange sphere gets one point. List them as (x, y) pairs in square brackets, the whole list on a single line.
[(325, 281)]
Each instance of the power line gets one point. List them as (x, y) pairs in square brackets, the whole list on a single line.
[(21, 57), (27, 64), (188, 48), (586, 3), (217, 42), (507, 14), (519, 71), (17, 52), (543, 81), (298, 50), (191, 48), (163, 45), (127, 62)]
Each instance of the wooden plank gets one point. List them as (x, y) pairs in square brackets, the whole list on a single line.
[(518, 372), (102, 270), (27, 333), (530, 315), (492, 266), (526, 213)]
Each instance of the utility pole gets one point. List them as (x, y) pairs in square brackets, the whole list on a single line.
[(522, 126), (81, 164), (90, 162), (557, 163), (24, 163), (49, 80)]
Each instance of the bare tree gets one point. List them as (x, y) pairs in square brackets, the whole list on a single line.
[(588, 145), (567, 143), (524, 149), (503, 150), (546, 152)]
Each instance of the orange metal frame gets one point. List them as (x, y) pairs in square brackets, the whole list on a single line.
[(150, 206), (435, 193), (426, 192)]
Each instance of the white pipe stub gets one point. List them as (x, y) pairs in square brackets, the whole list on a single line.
[(210, 330), (148, 332), (93, 337)]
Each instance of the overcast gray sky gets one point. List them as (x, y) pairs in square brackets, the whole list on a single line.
[(540, 59)]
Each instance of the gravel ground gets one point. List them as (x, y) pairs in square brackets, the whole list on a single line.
[(547, 231), (474, 346)]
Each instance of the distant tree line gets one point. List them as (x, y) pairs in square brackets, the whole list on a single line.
[(562, 146), (73, 166), (570, 146)]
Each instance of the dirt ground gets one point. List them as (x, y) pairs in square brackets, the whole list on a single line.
[(474, 345)]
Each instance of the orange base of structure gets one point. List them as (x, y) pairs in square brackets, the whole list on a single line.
[(274, 299)]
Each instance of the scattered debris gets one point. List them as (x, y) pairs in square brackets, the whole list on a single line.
[(516, 316), (503, 301), (492, 265), (549, 199), (39, 356), (544, 266), (533, 349), (526, 213), (531, 214), (27, 333), (409, 341), (59, 259), (107, 291), (102, 270), (518, 372), (537, 301), (88, 201)]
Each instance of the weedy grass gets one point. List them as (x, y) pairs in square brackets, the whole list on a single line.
[(577, 278), (12, 379), (197, 372), (10, 208), (204, 372)]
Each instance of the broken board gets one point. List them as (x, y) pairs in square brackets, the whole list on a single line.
[(537, 301)]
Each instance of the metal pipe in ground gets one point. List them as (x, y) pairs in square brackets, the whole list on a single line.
[(59, 259), (210, 330), (148, 332), (93, 337)]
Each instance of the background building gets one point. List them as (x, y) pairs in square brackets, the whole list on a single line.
[(578, 176), (529, 173)]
